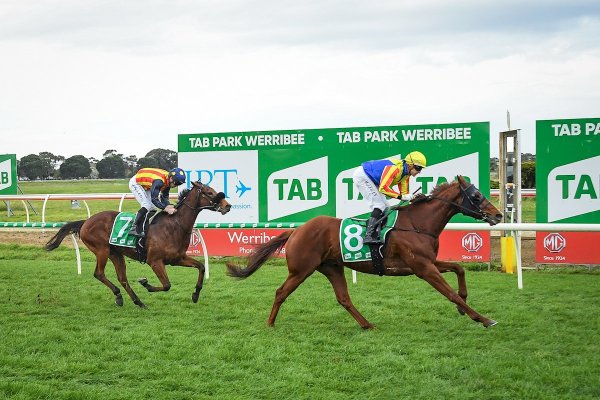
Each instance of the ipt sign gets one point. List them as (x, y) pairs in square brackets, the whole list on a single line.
[(8, 174), (233, 173)]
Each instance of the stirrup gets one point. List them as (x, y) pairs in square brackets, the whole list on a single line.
[(372, 240)]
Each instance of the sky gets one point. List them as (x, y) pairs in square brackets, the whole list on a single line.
[(83, 77)]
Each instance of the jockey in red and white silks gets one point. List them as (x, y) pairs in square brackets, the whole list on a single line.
[(151, 187)]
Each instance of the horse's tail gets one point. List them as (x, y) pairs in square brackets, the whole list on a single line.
[(71, 227), (257, 259)]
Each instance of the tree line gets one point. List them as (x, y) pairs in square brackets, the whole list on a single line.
[(113, 165)]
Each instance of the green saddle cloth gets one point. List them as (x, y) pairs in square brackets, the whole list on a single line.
[(119, 236), (352, 234)]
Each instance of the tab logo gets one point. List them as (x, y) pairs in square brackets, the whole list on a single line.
[(467, 166), (6, 174), (298, 188), (574, 189)]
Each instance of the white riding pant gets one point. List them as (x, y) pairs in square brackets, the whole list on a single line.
[(369, 190), (141, 195)]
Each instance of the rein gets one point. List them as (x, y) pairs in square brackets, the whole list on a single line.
[(475, 211), (214, 206), (397, 207), (470, 212)]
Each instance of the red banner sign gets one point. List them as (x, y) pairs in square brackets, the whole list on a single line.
[(454, 245), (567, 247), (465, 246)]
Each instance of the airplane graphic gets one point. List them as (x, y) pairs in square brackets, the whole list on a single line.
[(241, 188)]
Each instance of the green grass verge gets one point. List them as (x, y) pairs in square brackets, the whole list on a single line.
[(63, 337)]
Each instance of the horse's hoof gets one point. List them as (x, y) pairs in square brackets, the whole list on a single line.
[(119, 301), (490, 323), (195, 297), (143, 281), (139, 304)]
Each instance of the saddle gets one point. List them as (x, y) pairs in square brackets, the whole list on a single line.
[(353, 249), (120, 232)]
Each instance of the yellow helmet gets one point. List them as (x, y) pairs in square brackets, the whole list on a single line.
[(416, 158)]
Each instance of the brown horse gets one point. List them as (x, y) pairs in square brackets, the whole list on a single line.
[(166, 241), (411, 248)]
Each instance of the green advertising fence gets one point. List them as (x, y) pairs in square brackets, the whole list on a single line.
[(568, 170), (295, 175)]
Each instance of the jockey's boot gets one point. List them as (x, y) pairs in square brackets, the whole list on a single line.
[(137, 228), (372, 235)]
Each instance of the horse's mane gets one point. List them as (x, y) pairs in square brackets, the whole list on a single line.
[(436, 190), (440, 188), (182, 196)]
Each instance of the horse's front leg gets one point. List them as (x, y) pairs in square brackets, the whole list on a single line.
[(444, 266), (188, 261), (432, 275)]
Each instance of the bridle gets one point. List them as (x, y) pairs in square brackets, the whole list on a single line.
[(214, 206), (472, 205), (214, 200), (473, 202)]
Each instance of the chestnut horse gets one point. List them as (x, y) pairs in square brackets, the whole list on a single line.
[(166, 241), (411, 248)]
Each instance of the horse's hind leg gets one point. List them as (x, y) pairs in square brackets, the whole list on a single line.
[(335, 274), (431, 274), (121, 269), (293, 280), (158, 266), (444, 266), (101, 260)]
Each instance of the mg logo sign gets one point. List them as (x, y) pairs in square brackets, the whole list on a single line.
[(554, 242), (195, 238), (472, 242)]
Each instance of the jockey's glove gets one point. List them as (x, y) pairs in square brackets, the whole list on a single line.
[(407, 197)]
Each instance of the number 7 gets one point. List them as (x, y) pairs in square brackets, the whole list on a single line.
[(125, 226)]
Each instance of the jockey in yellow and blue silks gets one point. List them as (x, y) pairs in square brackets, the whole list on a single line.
[(375, 179), (151, 187)]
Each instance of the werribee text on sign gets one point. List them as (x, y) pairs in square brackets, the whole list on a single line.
[(282, 139), (421, 134)]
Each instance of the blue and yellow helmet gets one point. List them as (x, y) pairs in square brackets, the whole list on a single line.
[(178, 176)]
